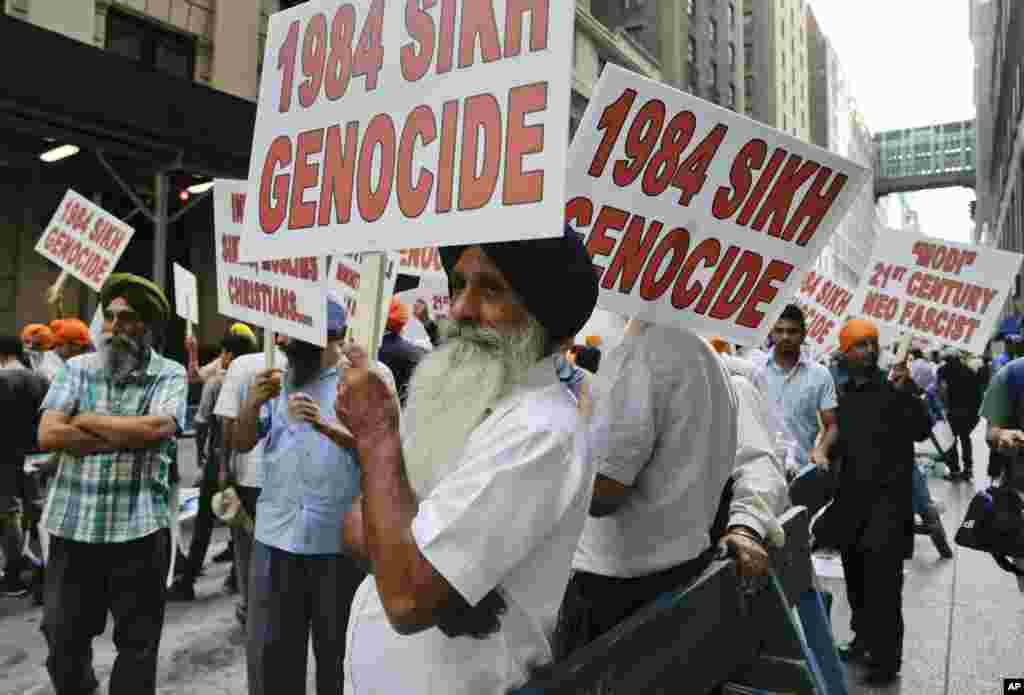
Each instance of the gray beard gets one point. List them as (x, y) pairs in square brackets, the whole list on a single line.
[(124, 357), (452, 390)]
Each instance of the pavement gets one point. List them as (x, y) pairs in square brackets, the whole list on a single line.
[(964, 617), (964, 623)]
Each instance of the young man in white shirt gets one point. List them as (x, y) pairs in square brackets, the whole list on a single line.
[(470, 517)]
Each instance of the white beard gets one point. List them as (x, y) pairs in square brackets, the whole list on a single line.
[(452, 390)]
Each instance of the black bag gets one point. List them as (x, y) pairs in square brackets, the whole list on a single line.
[(995, 524)]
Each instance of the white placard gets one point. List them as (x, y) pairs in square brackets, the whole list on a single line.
[(344, 283), (424, 263), (825, 302), (186, 294), (386, 125), (942, 291), (84, 240), (696, 216), (284, 296)]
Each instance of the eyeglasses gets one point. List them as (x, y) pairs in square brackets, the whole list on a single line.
[(126, 316), (864, 346)]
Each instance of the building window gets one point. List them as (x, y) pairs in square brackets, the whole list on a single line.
[(712, 31), (713, 77), (689, 7), (732, 96), (748, 87), (151, 45), (732, 15), (748, 55), (691, 50), (732, 56)]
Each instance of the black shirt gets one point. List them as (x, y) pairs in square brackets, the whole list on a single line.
[(878, 426), (963, 389), (21, 394), (401, 357)]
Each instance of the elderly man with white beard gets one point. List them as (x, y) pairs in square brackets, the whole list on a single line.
[(469, 516), (113, 416)]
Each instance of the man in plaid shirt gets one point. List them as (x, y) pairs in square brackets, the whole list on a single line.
[(113, 415)]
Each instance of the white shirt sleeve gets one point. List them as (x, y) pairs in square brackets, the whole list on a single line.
[(623, 431), (514, 485), (829, 400), (758, 473), (229, 402)]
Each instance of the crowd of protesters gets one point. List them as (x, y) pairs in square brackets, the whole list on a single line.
[(455, 515)]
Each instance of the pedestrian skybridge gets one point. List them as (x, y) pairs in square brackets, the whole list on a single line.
[(916, 159)]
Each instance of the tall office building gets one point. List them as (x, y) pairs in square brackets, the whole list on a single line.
[(776, 60), (697, 44), (837, 125), (997, 32)]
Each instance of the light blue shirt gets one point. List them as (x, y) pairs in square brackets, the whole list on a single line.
[(798, 395), (308, 481)]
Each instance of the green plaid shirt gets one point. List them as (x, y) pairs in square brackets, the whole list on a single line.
[(123, 495)]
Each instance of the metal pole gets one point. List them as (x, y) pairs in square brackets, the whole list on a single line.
[(160, 230)]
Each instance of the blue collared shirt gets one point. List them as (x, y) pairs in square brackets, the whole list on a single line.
[(798, 394), (309, 482)]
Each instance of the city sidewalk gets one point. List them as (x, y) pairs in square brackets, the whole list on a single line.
[(964, 625), (964, 617)]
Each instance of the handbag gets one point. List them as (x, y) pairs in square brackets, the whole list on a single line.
[(994, 524)]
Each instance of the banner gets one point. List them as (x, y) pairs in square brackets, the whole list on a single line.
[(285, 296), (696, 216), (346, 271), (186, 294), (386, 125), (84, 239), (942, 291), (825, 302), (424, 263)]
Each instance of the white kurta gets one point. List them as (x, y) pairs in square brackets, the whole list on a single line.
[(507, 516)]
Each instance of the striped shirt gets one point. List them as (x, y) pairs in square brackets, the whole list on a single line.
[(122, 495)]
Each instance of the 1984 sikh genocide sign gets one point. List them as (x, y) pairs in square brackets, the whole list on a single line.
[(376, 117), (694, 215), (85, 240)]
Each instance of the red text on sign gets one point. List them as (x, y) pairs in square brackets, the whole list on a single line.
[(661, 260), (368, 173)]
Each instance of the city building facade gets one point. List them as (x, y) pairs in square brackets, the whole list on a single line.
[(997, 32), (837, 125), (777, 64)]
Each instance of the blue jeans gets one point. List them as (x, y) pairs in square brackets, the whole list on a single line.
[(922, 499)]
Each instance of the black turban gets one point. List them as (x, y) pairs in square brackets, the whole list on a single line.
[(554, 277), (142, 295)]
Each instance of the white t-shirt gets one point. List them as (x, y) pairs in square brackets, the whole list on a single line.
[(237, 381), (507, 516), (667, 428)]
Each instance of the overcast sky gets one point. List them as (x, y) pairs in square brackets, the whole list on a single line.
[(911, 63)]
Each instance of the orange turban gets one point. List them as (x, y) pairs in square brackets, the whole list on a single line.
[(39, 334), (593, 341), (71, 331), (55, 327), (720, 346), (855, 331), (398, 316)]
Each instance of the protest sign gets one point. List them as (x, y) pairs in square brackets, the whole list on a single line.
[(345, 283), (186, 297), (825, 302), (85, 240), (424, 263), (694, 215), (942, 291), (283, 296), (384, 125)]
